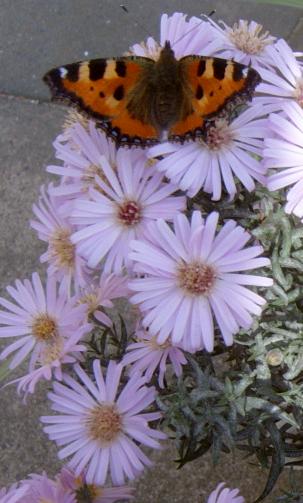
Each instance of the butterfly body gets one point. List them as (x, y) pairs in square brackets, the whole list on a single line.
[(139, 101)]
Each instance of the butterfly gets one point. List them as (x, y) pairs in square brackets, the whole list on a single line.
[(139, 101)]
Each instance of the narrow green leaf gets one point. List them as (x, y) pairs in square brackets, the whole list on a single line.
[(4, 370)]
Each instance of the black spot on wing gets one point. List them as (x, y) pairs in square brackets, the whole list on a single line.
[(199, 92), (101, 94), (120, 68), (97, 68), (72, 72), (119, 93), (237, 72), (201, 67), (219, 66)]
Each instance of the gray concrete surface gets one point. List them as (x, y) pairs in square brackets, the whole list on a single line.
[(34, 36)]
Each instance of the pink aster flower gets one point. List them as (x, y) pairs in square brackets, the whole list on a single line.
[(186, 36), (14, 494), (147, 355), (82, 157), (96, 296), (52, 358), (65, 264), (227, 150), (283, 84), (191, 275), (225, 495), (97, 428), (43, 323), (284, 152), (130, 198), (244, 42), (42, 489), (95, 494)]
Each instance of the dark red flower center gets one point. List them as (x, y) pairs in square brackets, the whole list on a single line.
[(129, 213)]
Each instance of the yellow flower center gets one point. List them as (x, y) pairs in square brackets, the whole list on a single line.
[(51, 351), (104, 423), (249, 39), (44, 328), (196, 278), (74, 117), (155, 345), (62, 249), (298, 92)]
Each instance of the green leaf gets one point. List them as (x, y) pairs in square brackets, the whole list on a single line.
[(287, 3), (277, 460), (4, 370)]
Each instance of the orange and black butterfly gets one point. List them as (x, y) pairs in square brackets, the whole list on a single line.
[(139, 101)]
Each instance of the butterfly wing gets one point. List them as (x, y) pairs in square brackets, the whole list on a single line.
[(103, 88), (213, 85)]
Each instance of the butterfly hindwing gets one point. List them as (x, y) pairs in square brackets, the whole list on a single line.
[(213, 85), (103, 88)]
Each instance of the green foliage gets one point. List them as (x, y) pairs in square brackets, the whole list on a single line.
[(249, 397)]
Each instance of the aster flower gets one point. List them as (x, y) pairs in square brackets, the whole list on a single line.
[(91, 492), (130, 199), (52, 357), (14, 494), (100, 295), (225, 495), (42, 489), (97, 428), (284, 152), (42, 323), (186, 36), (146, 355), (191, 276), (82, 156), (226, 150), (283, 84), (244, 42), (65, 264)]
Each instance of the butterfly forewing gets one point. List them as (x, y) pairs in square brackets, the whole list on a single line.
[(213, 84), (103, 88)]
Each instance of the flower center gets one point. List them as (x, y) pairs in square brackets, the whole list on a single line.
[(298, 93), (152, 50), (104, 423), (155, 345), (87, 493), (44, 328), (91, 299), (62, 249), (129, 213), (74, 117), (217, 134), (248, 38), (196, 278), (51, 351)]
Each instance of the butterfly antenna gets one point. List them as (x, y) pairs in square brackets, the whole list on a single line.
[(203, 16), (125, 9)]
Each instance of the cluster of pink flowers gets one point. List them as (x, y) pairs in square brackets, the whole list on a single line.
[(115, 226)]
